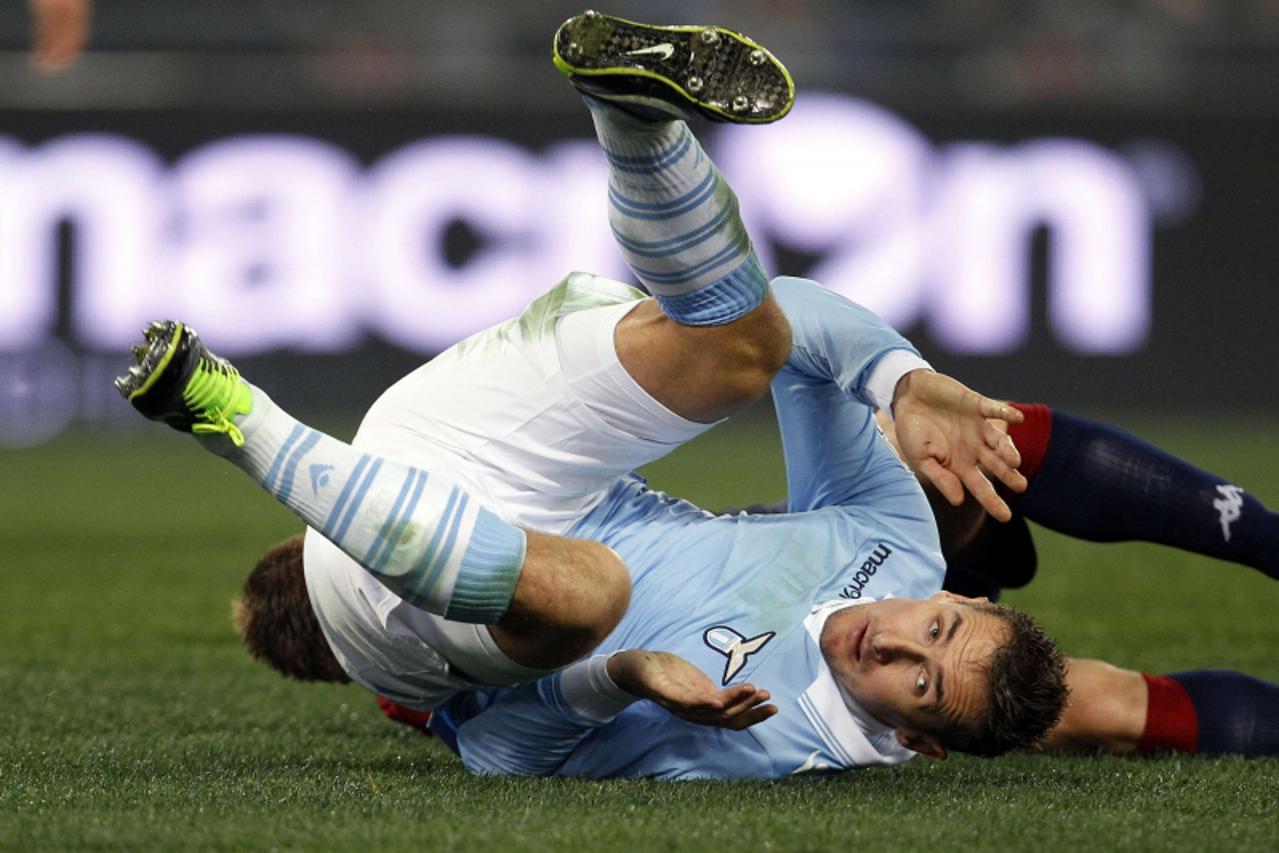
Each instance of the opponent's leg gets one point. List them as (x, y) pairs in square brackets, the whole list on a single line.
[(421, 535), (1209, 712), (983, 556), (1095, 482), (412, 717), (715, 338)]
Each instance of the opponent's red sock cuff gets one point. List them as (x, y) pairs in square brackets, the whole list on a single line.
[(1032, 436), (404, 714), (1171, 721)]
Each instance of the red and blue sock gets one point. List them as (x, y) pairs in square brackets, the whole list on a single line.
[(1211, 712), (1095, 482)]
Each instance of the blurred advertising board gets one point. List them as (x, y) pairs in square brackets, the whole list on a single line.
[(1107, 260)]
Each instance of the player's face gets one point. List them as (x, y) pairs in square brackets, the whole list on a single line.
[(913, 663)]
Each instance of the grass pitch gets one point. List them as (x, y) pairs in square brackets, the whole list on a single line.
[(129, 717)]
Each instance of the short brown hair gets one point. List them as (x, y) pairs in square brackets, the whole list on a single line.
[(274, 617), (1026, 692)]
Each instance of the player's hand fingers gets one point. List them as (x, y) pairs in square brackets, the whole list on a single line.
[(745, 701), (695, 705), (735, 708), (747, 711), (946, 482), (758, 714), (1002, 471), (981, 489), (723, 703), (709, 703), (732, 700), (995, 409), (1001, 443)]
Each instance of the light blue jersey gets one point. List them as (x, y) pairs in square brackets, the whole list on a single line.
[(743, 597)]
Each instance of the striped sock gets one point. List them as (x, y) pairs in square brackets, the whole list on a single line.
[(422, 536), (676, 220)]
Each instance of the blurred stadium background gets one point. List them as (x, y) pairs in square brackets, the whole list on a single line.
[(1070, 201)]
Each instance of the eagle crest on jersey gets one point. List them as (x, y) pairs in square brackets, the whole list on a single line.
[(734, 646)]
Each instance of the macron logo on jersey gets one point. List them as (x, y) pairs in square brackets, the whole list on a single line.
[(1229, 506), (734, 646), (866, 571)]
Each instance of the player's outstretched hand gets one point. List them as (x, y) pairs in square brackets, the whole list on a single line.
[(686, 692), (944, 433)]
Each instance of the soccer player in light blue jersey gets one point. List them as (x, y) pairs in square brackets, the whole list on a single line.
[(484, 532)]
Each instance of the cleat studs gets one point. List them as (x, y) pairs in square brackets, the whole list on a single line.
[(138, 351), (694, 84), (757, 57), (741, 104), (153, 330), (710, 36), (590, 14), (121, 385), (574, 50)]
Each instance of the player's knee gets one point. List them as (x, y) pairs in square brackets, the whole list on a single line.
[(771, 335), (572, 628), (571, 595), (603, 600), (615, 590), (760, 347)]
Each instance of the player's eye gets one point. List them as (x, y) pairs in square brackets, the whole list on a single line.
[(935, 631), (921, 683)]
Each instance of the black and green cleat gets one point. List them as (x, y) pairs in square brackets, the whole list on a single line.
[(178, 381), (673, 72)]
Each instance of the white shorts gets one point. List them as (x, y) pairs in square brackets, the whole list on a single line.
[(537, 419)]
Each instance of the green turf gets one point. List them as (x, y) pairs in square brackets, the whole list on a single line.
[(130, 718)]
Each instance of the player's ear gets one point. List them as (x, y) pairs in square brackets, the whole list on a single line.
[(925, 744)]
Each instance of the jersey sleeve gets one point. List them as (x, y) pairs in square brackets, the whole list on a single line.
[(532, 729), (841, 342)]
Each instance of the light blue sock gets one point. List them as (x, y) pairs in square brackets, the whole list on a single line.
[(676, 220), (421, 535)]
